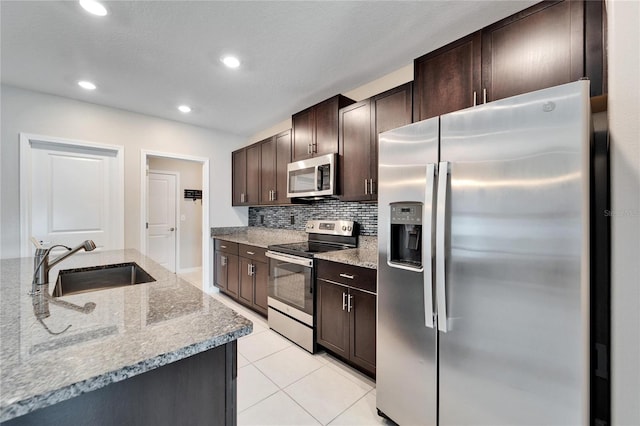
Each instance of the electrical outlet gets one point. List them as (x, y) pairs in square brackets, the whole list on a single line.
[(261, 219), (293, 219)]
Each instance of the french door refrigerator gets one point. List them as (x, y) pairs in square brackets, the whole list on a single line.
[(483, 273)]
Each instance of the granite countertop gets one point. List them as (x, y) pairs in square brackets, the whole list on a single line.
[(366, 255), (259, 237), (130, 330)]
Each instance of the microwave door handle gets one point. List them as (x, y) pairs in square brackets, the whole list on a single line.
[(318, 170)]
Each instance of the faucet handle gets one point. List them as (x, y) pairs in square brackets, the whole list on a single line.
[(35, 242)]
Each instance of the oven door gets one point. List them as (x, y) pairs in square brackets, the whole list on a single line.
[(291, 286)]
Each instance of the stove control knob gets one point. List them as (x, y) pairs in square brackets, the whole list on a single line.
[(310, 226), (344, 228), (348, 228)]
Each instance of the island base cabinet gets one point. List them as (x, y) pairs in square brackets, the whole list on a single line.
[(198, 390)]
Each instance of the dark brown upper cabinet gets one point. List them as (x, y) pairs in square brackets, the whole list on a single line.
[(260, 172), (448, 79), (359, 125), (275, 155), (246, 176), (315, 129), (543, 46)]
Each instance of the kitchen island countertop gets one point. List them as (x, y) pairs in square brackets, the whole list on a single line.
[(131, 330)]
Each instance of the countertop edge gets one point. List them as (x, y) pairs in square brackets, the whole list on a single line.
[(20, 408)]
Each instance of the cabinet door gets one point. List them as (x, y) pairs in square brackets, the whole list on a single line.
[(239, 181), (354, 163), (304, 124), (267, 170), (246, 281), (253, 174), (221, 273), (539, 47), (283, 157), (232, 283), (389, 110), (326, 138), (362, 325), (260, 290), (333, 320), (447, 79)]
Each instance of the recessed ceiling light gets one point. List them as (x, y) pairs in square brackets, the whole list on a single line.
[(184, 108), (87, 85), (93, 7), (231, 61)]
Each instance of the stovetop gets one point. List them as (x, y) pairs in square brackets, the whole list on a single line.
[(306, 248)]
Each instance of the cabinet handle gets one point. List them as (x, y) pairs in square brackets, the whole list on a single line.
[(347, 276), (251, 253), (484, 95), (366, 188), (221, 246), (274, 195), (371, 187), (250, 267), (344, 301), (309, 149), (242, 197), (475, 95), (314, 147), (349, 305), (223, 260)]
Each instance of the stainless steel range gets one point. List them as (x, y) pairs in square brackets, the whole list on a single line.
[(292, 279)]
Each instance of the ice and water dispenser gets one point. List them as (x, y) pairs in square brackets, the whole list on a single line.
[(406, 234)]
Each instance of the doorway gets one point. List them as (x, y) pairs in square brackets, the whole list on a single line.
[(190, 238)]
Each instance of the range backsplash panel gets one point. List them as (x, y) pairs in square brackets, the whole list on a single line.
[(366, 214)]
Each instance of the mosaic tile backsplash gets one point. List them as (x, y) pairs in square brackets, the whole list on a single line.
[(280, 216)]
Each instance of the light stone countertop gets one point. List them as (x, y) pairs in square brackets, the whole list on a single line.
[(259, 237), (366, 255), (132, 330)]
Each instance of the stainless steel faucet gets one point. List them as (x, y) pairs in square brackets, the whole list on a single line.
[(42, 266)]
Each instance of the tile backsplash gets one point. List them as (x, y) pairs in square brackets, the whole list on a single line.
[(366, 214)]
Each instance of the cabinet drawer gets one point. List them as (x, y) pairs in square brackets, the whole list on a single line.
[(353, 276), (226, 246), (252, 252)]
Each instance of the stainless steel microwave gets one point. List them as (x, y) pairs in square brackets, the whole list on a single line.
[(312, 178)]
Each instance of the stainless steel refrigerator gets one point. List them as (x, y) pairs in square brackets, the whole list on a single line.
[(483, 269)]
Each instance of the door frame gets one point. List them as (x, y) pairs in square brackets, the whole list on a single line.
[(207, 242), (26, 187), (177, 212)]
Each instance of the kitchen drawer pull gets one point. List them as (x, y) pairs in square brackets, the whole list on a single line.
[(347, 276), (251, 253), (221, 246), (344, 301)]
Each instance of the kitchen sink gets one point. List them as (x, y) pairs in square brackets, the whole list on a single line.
[(81, 280)]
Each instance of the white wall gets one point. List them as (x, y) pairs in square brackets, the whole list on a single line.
[(386, 82), (38, 113), (624, 122), (190, 229)]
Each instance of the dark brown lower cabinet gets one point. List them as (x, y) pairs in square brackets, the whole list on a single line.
[(241, 272), (226, 273), (347, 323)]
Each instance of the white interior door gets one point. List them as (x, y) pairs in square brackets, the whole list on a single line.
[(75, 194), (161, 219)]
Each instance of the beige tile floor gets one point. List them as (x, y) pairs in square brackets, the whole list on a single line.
[(280, 383)]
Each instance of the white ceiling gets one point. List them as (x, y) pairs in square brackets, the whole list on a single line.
[(151, 56)]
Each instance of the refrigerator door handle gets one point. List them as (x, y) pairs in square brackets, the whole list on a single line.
[(441, 215), (427, 245)]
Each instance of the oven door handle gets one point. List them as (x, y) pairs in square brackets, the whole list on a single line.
[(290, 259)]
